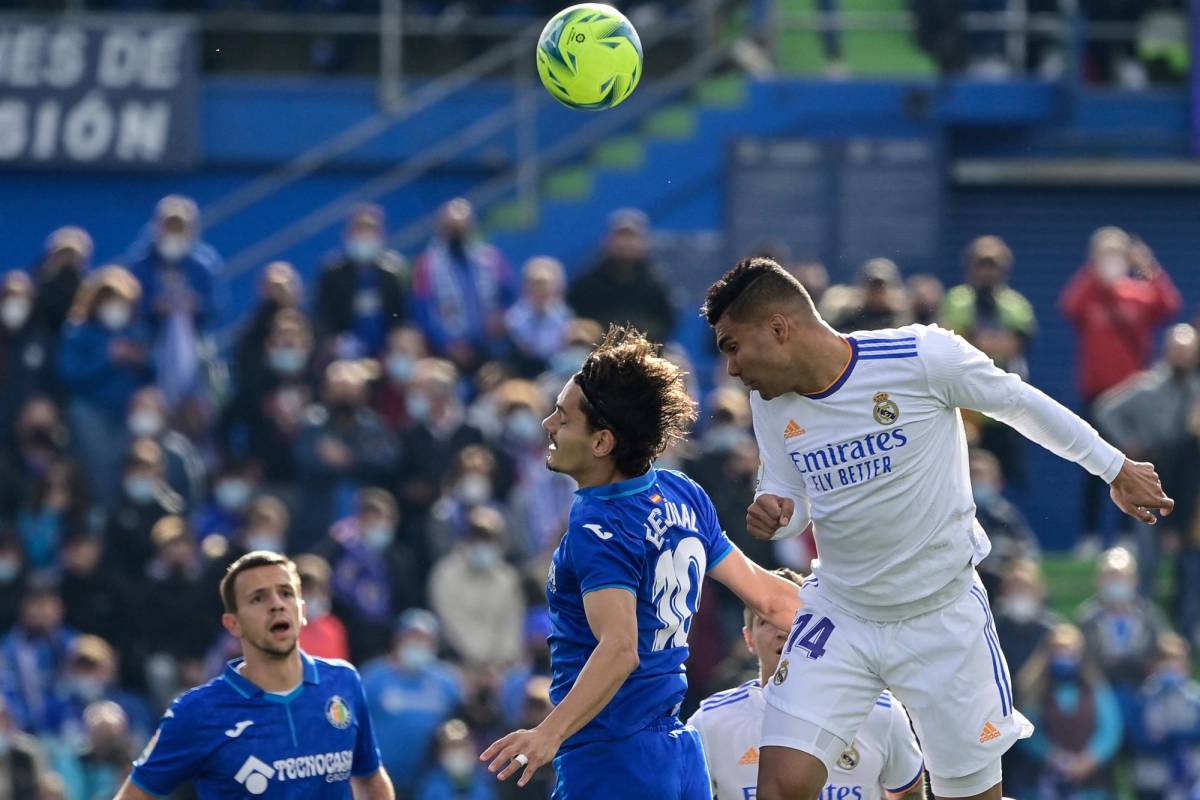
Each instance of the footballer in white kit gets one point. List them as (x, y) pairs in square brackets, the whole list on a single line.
[(862, 436), (883, 761)]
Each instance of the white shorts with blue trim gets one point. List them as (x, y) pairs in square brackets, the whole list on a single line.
[(945, 666)]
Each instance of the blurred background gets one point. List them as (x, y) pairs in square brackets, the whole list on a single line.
[(305, 275)]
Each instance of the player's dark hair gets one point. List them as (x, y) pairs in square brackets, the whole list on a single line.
[(750, 287), (748, 614), (256, 558), (631, 390)]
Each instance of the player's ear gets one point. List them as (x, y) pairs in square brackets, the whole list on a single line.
[(231, 624), (779, 326), (603, 443), (749, 640)]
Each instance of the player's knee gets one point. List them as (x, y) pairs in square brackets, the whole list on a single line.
[(785, 774)]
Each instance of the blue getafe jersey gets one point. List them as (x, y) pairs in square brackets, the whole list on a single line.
[(233, 740), (655, 535)]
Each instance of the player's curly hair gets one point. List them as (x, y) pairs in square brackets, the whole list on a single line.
[(631, 390), (752, 286)]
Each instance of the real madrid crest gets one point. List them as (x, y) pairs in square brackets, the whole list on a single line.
[(886, 411), (338, 713), (781, 673), (849, 759)]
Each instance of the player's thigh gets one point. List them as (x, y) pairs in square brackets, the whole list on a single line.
[(948, 670)]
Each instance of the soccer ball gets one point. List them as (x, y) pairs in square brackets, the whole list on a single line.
[(589, 57)]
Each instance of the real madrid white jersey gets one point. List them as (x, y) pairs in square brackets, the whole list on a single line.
[(884, 754), (878, 461)]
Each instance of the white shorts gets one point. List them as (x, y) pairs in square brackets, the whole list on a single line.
[(945, 666)]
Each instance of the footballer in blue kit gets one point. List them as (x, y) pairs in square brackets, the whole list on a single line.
[(624, 585), (278, 723)]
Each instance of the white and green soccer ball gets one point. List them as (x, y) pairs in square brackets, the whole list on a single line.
[(589, 57)]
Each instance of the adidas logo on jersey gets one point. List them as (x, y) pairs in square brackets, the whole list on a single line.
[(793, 430), (749, 757), (989, 732)]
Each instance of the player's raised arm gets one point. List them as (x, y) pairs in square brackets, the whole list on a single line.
[(963, 376), (612, 616), (771, 597)]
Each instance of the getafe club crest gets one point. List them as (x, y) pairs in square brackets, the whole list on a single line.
[(849, 759), (338, 713), (886, 411), (781, 673)]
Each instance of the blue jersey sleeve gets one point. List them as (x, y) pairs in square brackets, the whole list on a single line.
[(603, 558), (716, 542), (366, 748), (172, 755)]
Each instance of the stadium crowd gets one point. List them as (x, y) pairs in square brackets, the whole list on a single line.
[(382, 426)]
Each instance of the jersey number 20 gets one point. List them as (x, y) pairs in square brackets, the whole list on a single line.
[(678, 576)]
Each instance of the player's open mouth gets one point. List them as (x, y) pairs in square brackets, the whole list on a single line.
[(283, 626)]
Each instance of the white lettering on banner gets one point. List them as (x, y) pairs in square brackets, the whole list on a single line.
[(45, 131), (88, 129), (67, 61), (14, 128), (150, 61), (132, 131), (142, 135)]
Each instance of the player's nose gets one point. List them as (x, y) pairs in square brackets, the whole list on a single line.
[(731, 366)]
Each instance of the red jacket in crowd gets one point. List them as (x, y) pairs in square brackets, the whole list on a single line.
[(1116, 323)]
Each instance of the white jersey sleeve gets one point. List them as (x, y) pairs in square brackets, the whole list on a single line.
[(903, 764), (777, 476), (963, 376)]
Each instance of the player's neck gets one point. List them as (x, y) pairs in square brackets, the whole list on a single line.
[(271, 673), (602, 474), (820, 359)]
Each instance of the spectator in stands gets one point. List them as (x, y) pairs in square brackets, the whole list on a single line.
[(534, 663), (185, 468), (535, 709), (537, 323), (582, 336), (927, 296), (234, 487), (410, 693), (1121, 627), (268, 410), (102, 361), (26, 351), (998, 320), (32, 654), (461, 287), (1006, 526), (813, 275), (323, 635), (623, 284), (362, 291), (280, 288), (1166, 729), (457, 773), (96, 600), (373, 573), (22, 763), (182, 297), (145, 499), (439, 430), (12, 577), (42, 440), (265, 528), (472, 482), (90, 676), (1076, 716), (96, 767), (878, 301), (55, 505), (1116, 302), (405, 347), (342, 446), (1143, 416), (58, 275), (477, 594)]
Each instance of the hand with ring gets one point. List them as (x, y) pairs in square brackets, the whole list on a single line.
[(530, 749)]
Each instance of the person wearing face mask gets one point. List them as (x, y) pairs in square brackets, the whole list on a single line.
[(1007, 528), (1116, 303), (1078, 722), (183, 297), (405, 347), (537, 323), (1120, 626), (457, 775), (147, 419), (461, 287), (1144, 416), (373, 572), (473, 482), (102, 361), (90, 676), (1166, 729), (342, 446), (26, 354), (362, 291), (145, 498), (23, 763), (59, 274), (477, 594), (280, 288), (324, 635), (880, 300), (33, 653), (94, 764), (233, 489), (410, 693)]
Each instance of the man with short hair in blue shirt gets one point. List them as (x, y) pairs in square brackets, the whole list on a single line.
[(624, 584), (278, 723)]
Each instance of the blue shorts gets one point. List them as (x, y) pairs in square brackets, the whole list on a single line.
[(664, 761)]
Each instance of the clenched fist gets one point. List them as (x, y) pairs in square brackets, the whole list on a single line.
[(767, 514)]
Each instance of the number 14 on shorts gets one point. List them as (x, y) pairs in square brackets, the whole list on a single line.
[(810, 635)]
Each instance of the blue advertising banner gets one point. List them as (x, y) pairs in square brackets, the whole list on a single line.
[(93, 95)]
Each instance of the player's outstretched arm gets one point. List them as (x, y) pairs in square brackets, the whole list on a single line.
[(612, 616), (376, 786), (131, 791), (773, 598)]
